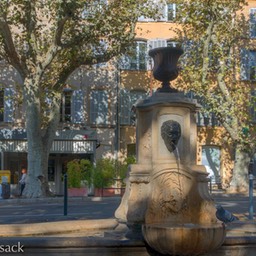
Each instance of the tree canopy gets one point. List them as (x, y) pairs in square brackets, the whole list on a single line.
[(214, 34), (45, 41)]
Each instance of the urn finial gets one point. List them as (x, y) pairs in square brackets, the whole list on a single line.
[(165, 66)]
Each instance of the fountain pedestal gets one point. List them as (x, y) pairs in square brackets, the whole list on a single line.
[(167, 196)]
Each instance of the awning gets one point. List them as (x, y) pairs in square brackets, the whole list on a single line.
[(66, 141)]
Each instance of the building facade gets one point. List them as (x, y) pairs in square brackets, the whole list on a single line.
[(97, 114)]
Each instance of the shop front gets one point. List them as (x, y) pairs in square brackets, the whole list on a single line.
[(68, 145)]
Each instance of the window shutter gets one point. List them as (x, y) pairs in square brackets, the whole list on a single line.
[(171, 11), (253, 22), (163, 12), (245, 61), (253, 106), (77, 106), (124, 107), (8, 105), (99, 107)]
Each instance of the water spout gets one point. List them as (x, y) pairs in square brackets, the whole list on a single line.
[(177, 154)]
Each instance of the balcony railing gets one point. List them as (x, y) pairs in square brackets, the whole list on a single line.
[(59, 146)]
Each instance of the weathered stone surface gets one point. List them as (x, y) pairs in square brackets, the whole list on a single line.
[(167, 193), (183, 239)]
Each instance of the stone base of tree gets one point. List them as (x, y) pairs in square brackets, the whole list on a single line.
[(77, 192), (237, 190)]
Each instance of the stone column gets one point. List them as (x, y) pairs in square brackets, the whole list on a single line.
[(152, 153)]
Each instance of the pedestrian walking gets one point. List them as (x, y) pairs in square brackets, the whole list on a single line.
[(23, 180)]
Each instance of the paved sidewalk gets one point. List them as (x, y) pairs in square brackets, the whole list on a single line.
[(237, 204), (21, 200), (104, 237), (56, 228)]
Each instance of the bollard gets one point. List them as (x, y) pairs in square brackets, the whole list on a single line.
[(6, 190), (211, 185), (65, 194), (251, 196)]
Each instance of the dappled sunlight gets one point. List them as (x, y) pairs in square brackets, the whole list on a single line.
[(70, 48), (190, 229)]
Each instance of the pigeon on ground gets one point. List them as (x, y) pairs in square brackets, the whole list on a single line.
[(224, 215)]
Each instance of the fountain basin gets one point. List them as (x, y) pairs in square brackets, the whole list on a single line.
[(184, 239)]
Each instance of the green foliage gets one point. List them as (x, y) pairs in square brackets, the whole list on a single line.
[(122, 166), (78, 171), (56, 37), (213, 34), (45, 41), (107, 170), (103, 173)]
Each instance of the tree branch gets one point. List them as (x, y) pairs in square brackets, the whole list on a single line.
[(56, 43), (59, 30), (10, 50), (30, 14), (53, 121), (206, 45)]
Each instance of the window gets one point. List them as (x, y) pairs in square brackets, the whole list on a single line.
[(99, 107), (65, 107), (173, 44), (6, 105), (93, 7), (127, 101), (253, 22), (1, 105), (137, 58), (78, 106), (166, 11), (253, 106), (72, 107), (152, 44), (248, 65), (155, 43), (171, 12), (203, 118), (207, 119), (252, 65)]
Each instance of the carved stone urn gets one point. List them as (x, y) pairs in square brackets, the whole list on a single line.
[(167, 199), (165, 66)]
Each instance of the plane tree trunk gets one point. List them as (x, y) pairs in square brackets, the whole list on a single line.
[(240, 180), (39, 138)]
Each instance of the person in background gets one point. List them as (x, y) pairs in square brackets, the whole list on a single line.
[(23, 180)]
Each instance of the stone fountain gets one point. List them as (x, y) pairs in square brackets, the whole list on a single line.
[(167, 199)]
